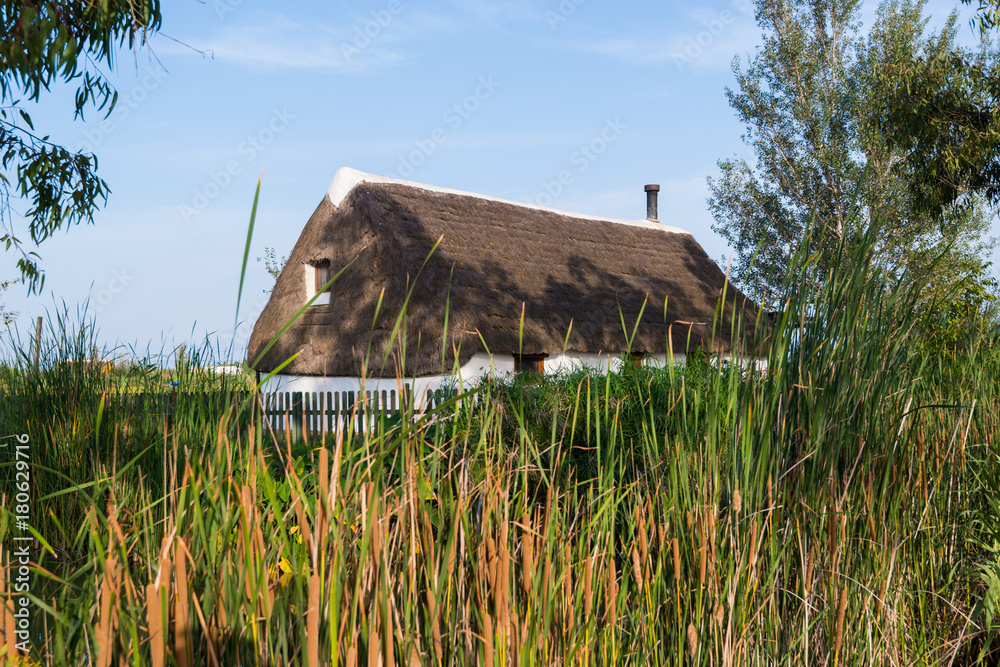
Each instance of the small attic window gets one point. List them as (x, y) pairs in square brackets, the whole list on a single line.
[(317, 275), (529, 363)]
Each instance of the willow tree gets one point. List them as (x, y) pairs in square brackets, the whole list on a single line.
[(44, 42), (813, 98)]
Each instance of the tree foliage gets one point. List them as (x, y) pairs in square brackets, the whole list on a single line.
[(987, 14), (45, 43), (6, 316), (947, 321), (813, 100), (272, 264), (943, 113)]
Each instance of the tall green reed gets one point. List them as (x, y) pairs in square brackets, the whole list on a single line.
[(824, 509)]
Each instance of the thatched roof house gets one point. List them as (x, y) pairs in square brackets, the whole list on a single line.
[(496, 260)]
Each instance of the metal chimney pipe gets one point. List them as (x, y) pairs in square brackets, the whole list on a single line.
[(651, 193)]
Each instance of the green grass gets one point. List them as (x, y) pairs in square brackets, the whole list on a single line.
[(838, 508)]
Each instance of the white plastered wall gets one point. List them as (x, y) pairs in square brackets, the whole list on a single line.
[(480, 365)]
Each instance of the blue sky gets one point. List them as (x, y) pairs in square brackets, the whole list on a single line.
[(491, 97)]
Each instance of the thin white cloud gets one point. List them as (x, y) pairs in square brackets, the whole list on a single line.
[(365, 42), (709, 42), (705, 38), (273, 41)]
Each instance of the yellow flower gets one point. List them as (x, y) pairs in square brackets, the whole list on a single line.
[(285, 567)]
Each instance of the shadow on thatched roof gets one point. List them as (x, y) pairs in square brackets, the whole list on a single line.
[(494, 258)]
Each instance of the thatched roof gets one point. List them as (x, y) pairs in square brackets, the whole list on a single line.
[(494, 259)]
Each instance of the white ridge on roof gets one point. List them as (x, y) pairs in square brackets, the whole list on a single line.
[(347, 178)]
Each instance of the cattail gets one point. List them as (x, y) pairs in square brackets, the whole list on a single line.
[(719, 615), (491, 568), (737, 502), (182, 625), (431, 605), (689, 521), (105, 626), (809, 569), (312, 621), (503, 588), (487, 639), (516, 635), (675, 545), (527, 557), (840, 621), (880, 598), (436, 632), (753, 543), (588, 589), (692, 637), (703, 565), (612, 592), (770, 497), (324, 474), (374, 654), (546, 580), (868, 491), (388, 637), (636, 568), (154, 617), (452, 545), (642, 544), (376, 539), (352, 657)]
